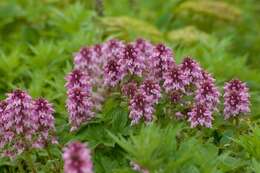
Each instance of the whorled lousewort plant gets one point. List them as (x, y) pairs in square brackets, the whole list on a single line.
[(144, 74)]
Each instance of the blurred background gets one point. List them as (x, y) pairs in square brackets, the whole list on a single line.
[(39, 37)]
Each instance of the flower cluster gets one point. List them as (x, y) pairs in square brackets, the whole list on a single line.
[(200, 115), (144, 48), (87, 56), (152, 90), (114, 70), (129, 89), (144, 72), (191, 70), (3, 135), (131, 61), (142, 99), (90, 60), (25, 123), (174, 79), (79, 101), (44, 122), (161, 60), (236, 98), (207, 94), (77, 158), (140, 107)]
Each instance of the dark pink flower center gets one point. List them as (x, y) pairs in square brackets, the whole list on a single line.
[(234, 99), (86, 53)]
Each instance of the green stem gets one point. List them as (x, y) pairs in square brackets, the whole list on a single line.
[(99, 7), (56, 168), (30, 163), (237, 122), (20, 166), (237, 125)]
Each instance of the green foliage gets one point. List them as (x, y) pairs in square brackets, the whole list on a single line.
[(188, 35), (251, 148), (160, 150), (216, 9), (150, 146), (250, 142), (128, 28)]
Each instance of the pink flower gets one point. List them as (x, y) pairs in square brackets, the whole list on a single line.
[(89, 64), (142, 100), (90, 61), (192, 70), (132, 61), (200, 115), (77, 158), (114, 72), (79, 105), (152, 90), (236, 99), (83, 58), (207, 77), (3, 105), (129, 89), (207, 93), (17, 122), (19, 113), (236, 85), (161, 60), (174, 79), (144, 48), (140, 107), (79, 102), (44, 122), (77, 78), (113, 48), (25, 123), (98, 54)]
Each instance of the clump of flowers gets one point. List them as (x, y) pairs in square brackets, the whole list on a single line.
[(25, 123), (144, 73), (142, 99), (113, 72), (129, 89), (174, 79), (192, 70), (144, 48), (44, 122), (18, 120), (132, 62), (152, 90), (140, 107), (236, 99), (3, 105), (77, 158), (207, 94), (79, 101), (200, 115), (161, 60), (113, 48)]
